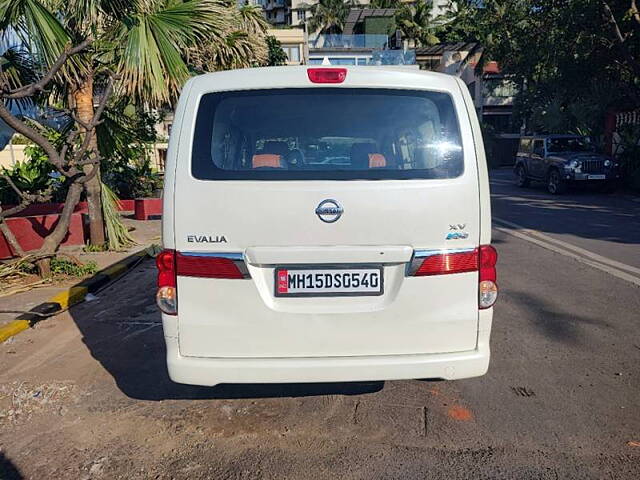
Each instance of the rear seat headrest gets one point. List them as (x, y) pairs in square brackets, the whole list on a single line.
[(266, 160), (377, 160)]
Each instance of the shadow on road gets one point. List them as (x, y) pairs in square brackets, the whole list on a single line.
[(561, 326), (8, 471), (123, 332)]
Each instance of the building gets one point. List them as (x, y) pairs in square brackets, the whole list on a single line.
[(368, 38), (492, 93), (296, 12), (293, 42)]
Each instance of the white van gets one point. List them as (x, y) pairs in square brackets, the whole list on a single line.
[(326, 224)]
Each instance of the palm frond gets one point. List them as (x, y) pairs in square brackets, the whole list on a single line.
[(151, 63), (118, 235), (37, 28)]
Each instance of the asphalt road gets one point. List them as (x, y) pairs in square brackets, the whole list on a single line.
[(86, 395)]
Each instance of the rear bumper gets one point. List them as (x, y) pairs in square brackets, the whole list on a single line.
[(588, 177), (212, 371)]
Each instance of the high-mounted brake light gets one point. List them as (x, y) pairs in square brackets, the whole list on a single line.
[(327, 75)]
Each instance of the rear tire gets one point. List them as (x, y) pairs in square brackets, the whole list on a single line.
[(555, 183), (522, 180)]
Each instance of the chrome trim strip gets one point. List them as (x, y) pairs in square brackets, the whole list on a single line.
[(230, 256), (429, 253)]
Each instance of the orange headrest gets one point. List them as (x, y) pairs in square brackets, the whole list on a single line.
[(377, 160), (266, 160)]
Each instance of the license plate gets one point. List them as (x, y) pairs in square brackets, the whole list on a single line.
[(596, 177), (328, 281)]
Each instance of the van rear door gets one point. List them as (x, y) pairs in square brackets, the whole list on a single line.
[(277, 188)]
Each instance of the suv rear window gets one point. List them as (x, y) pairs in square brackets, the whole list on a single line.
[(326, 133)]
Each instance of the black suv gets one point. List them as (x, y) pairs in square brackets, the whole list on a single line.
[(559, 160)]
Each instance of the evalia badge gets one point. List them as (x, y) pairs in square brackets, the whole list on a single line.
[(206, 239)]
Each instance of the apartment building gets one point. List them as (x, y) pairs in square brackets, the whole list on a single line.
[(296, 12)]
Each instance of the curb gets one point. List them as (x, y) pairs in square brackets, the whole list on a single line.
[(72, 296)]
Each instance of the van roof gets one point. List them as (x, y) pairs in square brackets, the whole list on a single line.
[(397, 77)]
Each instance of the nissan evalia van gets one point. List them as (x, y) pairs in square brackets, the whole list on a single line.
[(326, 224)]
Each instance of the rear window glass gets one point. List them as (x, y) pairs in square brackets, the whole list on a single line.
[(332, 133)]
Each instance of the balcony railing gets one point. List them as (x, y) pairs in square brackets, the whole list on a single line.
[(349, 41)]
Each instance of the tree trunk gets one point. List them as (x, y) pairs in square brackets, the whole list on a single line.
[(11, 239), (55, 238), (83, 97)]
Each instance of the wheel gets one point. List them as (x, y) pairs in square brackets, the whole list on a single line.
[(521, 177), (555, 183)]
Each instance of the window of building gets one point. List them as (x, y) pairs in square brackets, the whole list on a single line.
[(499, 88), (293, 53), (342, 60), (430, 63)]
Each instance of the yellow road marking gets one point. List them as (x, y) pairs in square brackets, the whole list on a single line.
[(13, 328), (70, 297)]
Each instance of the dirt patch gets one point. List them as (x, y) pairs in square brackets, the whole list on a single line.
[(19, 401)]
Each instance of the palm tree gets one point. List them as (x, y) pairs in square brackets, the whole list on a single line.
[(385, 4), (328, 16), (416, 23), (145, 42), (242, 43)]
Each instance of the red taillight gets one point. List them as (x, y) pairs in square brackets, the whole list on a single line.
[(446, 263), (166, 263), (488, 257), (482, 259), (206, 267), (327, 75)]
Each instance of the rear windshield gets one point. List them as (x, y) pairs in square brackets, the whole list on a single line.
[(332, 133)]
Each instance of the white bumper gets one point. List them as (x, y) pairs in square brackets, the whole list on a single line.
[(212, 371)]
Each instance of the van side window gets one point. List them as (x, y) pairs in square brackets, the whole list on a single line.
[(326, 133)]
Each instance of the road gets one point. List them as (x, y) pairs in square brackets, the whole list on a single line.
[(86, 395)]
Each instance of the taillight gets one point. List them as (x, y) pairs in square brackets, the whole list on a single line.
[(167, 295), (327, 75), (482, 259), (207, 266), (446, 263), (172, 264), (488, 288)]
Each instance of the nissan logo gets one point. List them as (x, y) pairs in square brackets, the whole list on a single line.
[(329, 211)]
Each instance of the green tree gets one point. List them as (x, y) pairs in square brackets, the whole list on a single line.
[(147, 43), (329, 16), (417, 23), (385, 4), (277, 56), (572, 60)]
